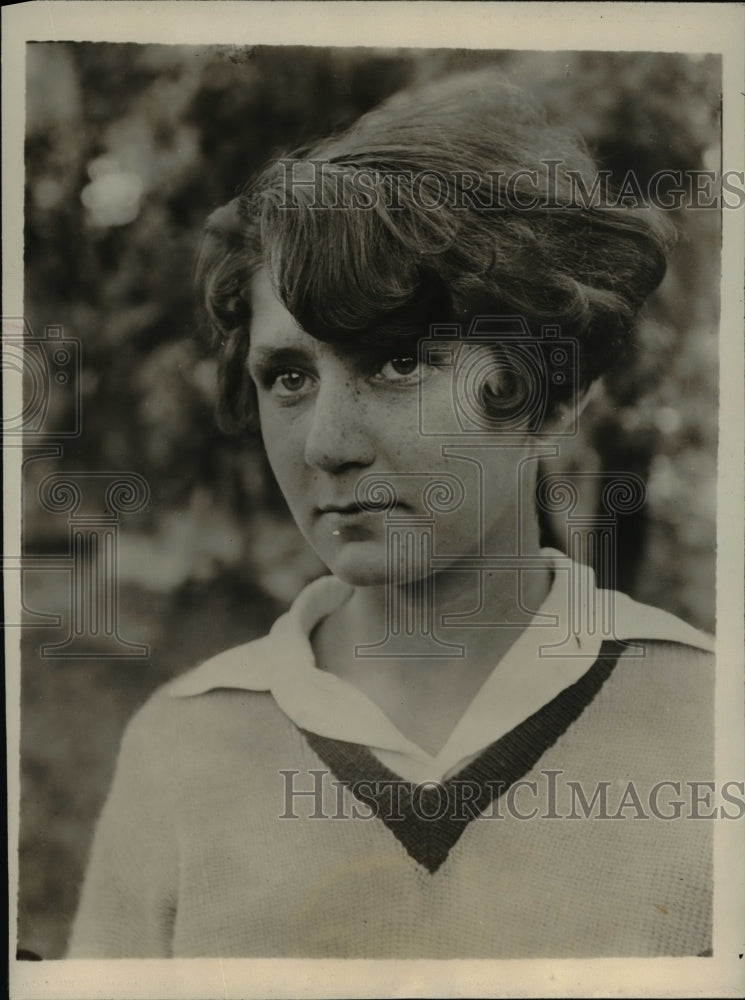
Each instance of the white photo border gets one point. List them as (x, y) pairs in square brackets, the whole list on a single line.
[(693, 28)]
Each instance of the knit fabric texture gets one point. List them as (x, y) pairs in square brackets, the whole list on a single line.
[(428, 830), (228, 832)]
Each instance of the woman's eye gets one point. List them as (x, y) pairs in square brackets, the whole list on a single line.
[(409, 369), (289, 382), (400, 369)]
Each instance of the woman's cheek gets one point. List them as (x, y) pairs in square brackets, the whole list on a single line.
[(280, 433)]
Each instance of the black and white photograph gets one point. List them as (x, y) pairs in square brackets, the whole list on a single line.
[(373, 499)]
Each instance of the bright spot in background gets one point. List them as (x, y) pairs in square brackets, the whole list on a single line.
[(114, 196), (48, 193), (668, 419), (204, 377)]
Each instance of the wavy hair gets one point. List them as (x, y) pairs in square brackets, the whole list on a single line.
[(360, 242)]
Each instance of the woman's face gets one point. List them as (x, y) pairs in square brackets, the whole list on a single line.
[(331, 416)]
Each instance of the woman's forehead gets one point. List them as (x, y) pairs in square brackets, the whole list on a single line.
[(271, 322)]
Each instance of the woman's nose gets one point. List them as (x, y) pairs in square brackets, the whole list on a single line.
[(339, 433)]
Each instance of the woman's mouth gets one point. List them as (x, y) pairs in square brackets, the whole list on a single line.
[(344, 508), (355, 509), (352, 520)]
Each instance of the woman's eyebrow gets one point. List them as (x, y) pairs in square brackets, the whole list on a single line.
[(267, 355)]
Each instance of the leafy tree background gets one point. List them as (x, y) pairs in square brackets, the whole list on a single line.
[(128, 149)]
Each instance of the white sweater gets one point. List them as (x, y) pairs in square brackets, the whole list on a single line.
[(191, 858)]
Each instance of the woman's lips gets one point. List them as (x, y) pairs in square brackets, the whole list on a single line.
[(354, 523), (355, 509), (343, 518)]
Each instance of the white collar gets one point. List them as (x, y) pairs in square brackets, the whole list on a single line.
[(559, 645)]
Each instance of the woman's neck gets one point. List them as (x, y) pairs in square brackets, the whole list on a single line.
[(422, 650), (424, 678), (464, 608)]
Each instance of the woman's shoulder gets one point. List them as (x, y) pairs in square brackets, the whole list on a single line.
[(683, 671), (633, 620), (220, 703), (662, 687), (664, 668), (231, 698), (666, 651)]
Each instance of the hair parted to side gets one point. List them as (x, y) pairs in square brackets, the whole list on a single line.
[(360, 242)]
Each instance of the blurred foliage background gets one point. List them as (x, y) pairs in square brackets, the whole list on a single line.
[(129, 147)]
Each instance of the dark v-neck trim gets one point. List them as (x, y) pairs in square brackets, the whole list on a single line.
[(429, 818)]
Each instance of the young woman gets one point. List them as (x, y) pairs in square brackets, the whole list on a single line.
[(453, 745)]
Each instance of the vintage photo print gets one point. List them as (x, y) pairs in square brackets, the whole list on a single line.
[(373, 499)]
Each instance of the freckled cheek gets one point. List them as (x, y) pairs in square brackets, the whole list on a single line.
[(407, 450), (280, 439), (284, 453), (285, 448), (396, 433)]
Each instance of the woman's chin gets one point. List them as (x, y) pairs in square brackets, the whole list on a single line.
[(358, 568), (367, 565)]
